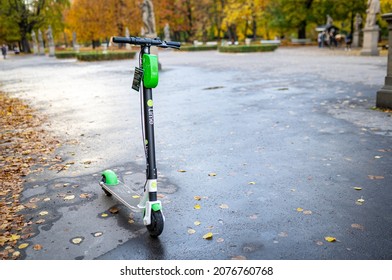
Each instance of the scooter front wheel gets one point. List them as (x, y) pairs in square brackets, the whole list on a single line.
[(156, 227)]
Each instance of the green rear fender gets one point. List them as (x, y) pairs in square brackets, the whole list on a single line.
[(110, 177)]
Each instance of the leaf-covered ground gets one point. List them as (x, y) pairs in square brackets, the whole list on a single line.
[(25, 147)]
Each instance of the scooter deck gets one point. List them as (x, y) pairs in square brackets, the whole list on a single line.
[(125, 195)]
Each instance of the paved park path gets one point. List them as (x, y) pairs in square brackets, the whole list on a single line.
[(290, 136)]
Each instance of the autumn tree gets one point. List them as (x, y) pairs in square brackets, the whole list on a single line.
[(19, 18), (96, 20)]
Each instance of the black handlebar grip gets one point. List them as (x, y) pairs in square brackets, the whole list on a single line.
[(174, 44), (121, 40)]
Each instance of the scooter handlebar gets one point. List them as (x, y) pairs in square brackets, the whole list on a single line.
[(146, 41)]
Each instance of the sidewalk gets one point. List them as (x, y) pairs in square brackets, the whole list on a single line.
[(298, 153)]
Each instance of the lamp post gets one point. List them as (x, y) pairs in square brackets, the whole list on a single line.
[(384, 95)]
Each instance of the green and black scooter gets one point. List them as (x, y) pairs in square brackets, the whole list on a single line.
[(147, 75)]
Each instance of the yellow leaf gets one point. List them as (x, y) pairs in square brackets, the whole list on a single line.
[(299, 209), (181, 170), (357, 188), (104, 215), (330, 239), (212, 174), (23, 245), (77, 240), (69, 197), (136, 196), (197, 206), (197, 223), (14, 237), (208, 235)]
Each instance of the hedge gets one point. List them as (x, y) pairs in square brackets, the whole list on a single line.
[(251, 48), (66, 54), (98, 56), (199, 48)]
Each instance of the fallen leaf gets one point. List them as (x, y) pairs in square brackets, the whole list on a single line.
[(239, 258), (212, 174), (357, 188), (69, 197), (77, 240), (224, 206), (191, 231), (283, 234), (197, 197), (374, 177), (43, 213), (360, 201), (357, 226), (299, 209), (220, 240), (23, 245), (307, 212), (136, 196), (104, 215), (37, 247), (320, 243), (16, 254), (14, 237), (330, 239), (113, 210), (40, 221), (85, 195), (252, 183), (130, 221), (46, 199), (197, 206), (181, 170), (34, 200), (197, 223), (208, 235), (98, 234), (30, 205)]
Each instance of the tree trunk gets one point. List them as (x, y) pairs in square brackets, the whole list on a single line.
[(302, 30), (25, 44)]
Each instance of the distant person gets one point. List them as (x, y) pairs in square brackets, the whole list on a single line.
[(349, 39), (4, 51)]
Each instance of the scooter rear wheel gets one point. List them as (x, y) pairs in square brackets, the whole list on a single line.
[(156, 226), (105, 191)]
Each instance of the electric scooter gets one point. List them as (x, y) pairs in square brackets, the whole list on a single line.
[(147, 76)]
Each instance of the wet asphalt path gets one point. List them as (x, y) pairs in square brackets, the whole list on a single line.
[(288, 134)]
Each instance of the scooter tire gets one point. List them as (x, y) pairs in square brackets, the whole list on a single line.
[(156, 227)]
